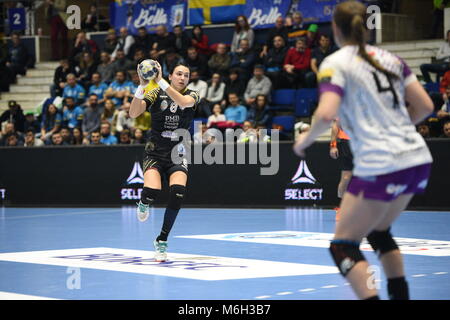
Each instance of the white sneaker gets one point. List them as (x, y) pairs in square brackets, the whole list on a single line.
[(160, 251), (143, 211)]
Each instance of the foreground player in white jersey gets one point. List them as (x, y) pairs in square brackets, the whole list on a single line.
[(369, 88)]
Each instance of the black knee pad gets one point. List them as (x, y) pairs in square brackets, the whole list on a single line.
[(382, 241), (149, 195), (346, 255), (176, 196)]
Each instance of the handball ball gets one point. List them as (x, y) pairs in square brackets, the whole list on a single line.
[(148, 70)]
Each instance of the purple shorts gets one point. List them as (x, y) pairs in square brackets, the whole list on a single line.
[(389, 186)]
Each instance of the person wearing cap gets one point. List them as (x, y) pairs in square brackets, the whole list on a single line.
[(31, 122), (312, 36), (258, 84), (15, 115)]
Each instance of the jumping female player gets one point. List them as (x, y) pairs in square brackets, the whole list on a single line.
[(172, 107), (369, 88)]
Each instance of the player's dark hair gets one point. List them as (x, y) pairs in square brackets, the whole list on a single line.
[(172, 70), (350, 17)]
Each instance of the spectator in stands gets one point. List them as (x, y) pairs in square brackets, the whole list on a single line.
[(7, 131), (30, 139), (143, 122), (31, 122), (58, 31), (234, 84), (7, 75), (15, 115), (72, 114), (182, 41), (142, 41), (321, 52), (220, 61), (91, 116), (297, 66), (235, 112), (169, 61), (91, 22), (249, 134), (51, 122), (74, 90), (242, 30), (446, 130), (279, 30), (66, 135), (444, 110), (296, 28), (312, 36), (77, 136), (274, 60), (17, 60), (243, 59), (12, 140), (424, 130), (124, 42), (110, 114), (86, 69), (125, 137), (98, 87), (124, 121), (215, 91), (138, 137), (259, 113), (110, 43), (197, 62), (261, 133), (118, 89), (60, 77), (122, 63), (163, 40), (105, 132), (138, 57), (106, 67), (82, 45), (437, 20), (441, 65), (217, 115), (95, 138), (201, 87), (258, 84), (135, 82), (200, 41)]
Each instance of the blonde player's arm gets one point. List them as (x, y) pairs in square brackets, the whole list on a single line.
[(334, 153), (325, 114), (138, 105), (420, 103)]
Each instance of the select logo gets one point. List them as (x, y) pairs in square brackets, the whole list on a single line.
[(303, 186), (133, 185)]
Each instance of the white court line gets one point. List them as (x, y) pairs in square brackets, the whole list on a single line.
[(284, 293), (307, 290), (262, 297), (18, 296), (329, 287), (440, 272), (418, 275), (59, 214)]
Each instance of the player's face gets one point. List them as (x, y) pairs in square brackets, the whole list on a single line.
[(180, 77)]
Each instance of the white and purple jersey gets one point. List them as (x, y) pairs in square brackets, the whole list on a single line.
[(373, 112)]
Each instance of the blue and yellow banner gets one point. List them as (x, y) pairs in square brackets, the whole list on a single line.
[(212, 12)]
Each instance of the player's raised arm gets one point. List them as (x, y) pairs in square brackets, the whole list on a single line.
[(138, 104)]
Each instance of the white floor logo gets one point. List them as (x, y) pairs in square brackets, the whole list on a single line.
[(136, 177), (297, 190)]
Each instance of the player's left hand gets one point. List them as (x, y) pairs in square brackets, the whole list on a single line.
[(159, 75), (300, 145)]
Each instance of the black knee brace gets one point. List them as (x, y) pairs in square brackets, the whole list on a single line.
[(149, 195), (346, 255), (382, 241), (176, 196)]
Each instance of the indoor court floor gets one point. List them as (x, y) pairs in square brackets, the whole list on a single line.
[(214, 254)]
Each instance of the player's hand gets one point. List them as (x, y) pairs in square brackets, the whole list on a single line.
[(142, 81), (159, 75), (301, 144), (334, 153)]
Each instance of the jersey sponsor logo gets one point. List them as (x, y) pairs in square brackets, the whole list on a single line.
[(303, 186), (179, 265), (423, 247), (164, 105)]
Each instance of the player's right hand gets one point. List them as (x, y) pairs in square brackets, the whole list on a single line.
[(142, 81)]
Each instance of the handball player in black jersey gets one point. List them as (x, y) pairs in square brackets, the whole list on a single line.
[(172, 107)]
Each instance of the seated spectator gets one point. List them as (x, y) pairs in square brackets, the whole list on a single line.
[(279, 30), (220, 61), (182, 41), (82, 45), (163, 40), (215, 91), (296, 28), (18, 57), (138, 137), (118, 89), (14, 114), (72, 114), (234, 84), (441, 65), (57, 140), (203, 135), (274, 60), (98, 87), (106, 67), (77, 137), (249, 135), (259, 84), (31, 122), (51, 122), (424, 130), (86, 69), (139, 56), (66, 135), (95, 139), (135, 82), (74, 90), (142, 41), (110, 43), (91, 116), (312, 36), (30, 139), (12, 140), (107, 137), (243, 59), (446, 130), (201, 87), (297, 66), (242, 30), (122, 63), (110, 114), (125, 137), (235, 112), (217, 115), (320, 53), (124, 42), (124, 121), (143, 122), (197, 62), (259, 113), (60, 77), (200, 41), (8, 130), (170, 60)]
